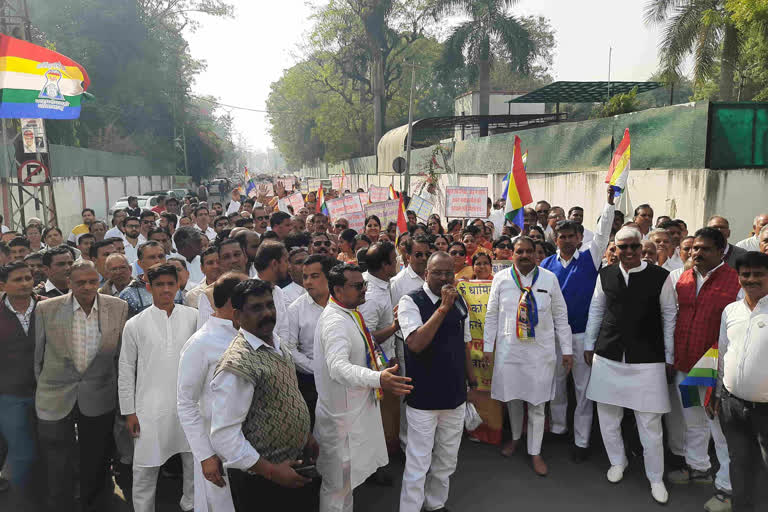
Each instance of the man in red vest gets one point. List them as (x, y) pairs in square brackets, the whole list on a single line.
[(702, 293)]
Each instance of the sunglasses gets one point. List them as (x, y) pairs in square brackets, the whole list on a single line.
[(457, 253), (503, 246), (341, 226), (320, 243), (624, 247)]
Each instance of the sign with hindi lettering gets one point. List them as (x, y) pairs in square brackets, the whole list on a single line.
[(386, 211), (314, 185), (304, 187), (377, 194), (287, 183), (475, 294), (421, 207), (466, 202), (499, 265), (348, 207), (296, 201), (337, 182)]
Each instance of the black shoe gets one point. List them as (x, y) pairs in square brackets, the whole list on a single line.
[(579, 454)]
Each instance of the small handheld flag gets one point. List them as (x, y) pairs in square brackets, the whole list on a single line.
[(618, 173), (320, 206), (702, 377), (518, 192)]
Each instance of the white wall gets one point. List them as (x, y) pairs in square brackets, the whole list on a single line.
[(95, 195), (116, 188), (145, 184), (132, 186), (739, 195)]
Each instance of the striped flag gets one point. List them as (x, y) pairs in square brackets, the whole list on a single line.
[(392, 193), (39, 83), (518, 193), (702, 377), (320, 206), (250, 187), (402, 218), (505, 179), (618, 173)]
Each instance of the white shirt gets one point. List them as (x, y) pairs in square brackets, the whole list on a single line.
[(86, 335), (209, 232), (751, 244), (303, 315), (192, 298), (204, 310), (232, 396), (743, 350), (148, 377), (131, 252), (672, 264), (666, 301), (26, 317), (498, 219), (4, 228), (234, 207), (588, 237), (292, 292), (377, 310), (114, 232), (404, 282), (348, 424), (525, 369), (199, 357), (410, 317), (674, 277)]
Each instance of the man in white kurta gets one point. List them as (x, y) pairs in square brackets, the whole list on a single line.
[(348, 424), (199, 358), (630, 345), (147, 376), (524, 369)]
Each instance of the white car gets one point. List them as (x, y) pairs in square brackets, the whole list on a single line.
[(145, 203)]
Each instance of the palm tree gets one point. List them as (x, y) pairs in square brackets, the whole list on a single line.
[(703, 28), (490, 28)]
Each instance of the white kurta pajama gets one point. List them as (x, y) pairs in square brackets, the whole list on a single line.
[(641, 387), (199, 358), (147, 377), (348, 424), (525, 370)]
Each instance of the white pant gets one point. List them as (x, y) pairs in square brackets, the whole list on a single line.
[(145, 485), (430, 458), (338, 500), (582, 416), (535, 423), (209, 497), (698, 430), (675, 422), (651, 437)]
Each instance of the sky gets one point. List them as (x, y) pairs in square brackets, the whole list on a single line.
[(246, 54)]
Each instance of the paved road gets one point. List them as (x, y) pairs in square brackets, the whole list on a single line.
[(486, 482)]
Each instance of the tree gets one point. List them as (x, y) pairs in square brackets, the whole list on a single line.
[(472, 41), (704, 28), (618, 104)]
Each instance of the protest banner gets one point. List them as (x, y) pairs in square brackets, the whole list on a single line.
[(475, 294), (421, 206), (287, 183), (314, 184), (363, 197), (386, 211), (296, 201), (499, 265), (378, 194), (348, 207), (337, 182), (466, 202), (304, 187)]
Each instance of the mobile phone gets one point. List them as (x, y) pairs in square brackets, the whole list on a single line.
[(308, 471)]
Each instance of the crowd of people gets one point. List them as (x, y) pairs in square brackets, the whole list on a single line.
[(269, 356)]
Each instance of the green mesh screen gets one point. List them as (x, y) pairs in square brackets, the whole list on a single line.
[(738, 135)]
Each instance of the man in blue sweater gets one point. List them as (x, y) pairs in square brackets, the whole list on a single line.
[(576, 265)]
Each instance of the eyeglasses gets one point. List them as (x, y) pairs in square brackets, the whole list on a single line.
[(358, 286), (320, 243), (341, 226), (624, 247), (457, 253), (503, 246), (147, 222)]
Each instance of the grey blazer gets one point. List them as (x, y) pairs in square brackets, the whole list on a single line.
[(59, 384), (733, 254)]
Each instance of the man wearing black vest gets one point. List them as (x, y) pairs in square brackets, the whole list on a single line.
[(434, 323), (630, 346)]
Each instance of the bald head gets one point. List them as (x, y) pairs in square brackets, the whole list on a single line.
[(440, 272), (721, 224), (760, 221)]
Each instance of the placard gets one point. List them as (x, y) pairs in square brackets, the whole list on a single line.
[(499, 265), (314, 185), (466, 202), (287, 184), (386, 211), (378, 194), (33, 136), (337, 182), (296, 201), (348, 207), (421, 207), (304, 187)]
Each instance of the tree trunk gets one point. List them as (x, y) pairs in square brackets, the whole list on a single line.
[(378, 98), (728, 61), (484, 67)]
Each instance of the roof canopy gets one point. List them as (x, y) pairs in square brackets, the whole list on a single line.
[(582, 92)]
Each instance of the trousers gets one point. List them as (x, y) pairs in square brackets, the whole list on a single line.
[(434, 437), (209, 497), (536, 419), (699, 429), (145, 485), (674, 422), (582, 416), (745, 426), (251, 493), (91, 438), (337, 500), (17, 437), (651, 437)]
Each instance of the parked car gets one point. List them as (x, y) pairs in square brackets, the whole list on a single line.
[(146, 202), (178, 193)]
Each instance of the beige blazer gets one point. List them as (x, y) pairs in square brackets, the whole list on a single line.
[(59, 384)]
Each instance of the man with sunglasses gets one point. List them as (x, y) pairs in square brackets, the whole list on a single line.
[(340, 225), (321, 244), (576, 266), (629, 343), (260, 219)]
